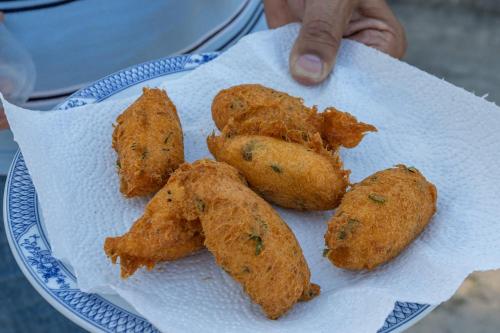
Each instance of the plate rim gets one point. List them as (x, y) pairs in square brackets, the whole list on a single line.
[(37, 285), (95, 93)]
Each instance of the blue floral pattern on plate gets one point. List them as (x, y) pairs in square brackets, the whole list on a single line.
[(31, 247)]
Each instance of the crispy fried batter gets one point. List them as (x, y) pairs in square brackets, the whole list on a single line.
[(161, 234), (379, 217), (285, 173), (149, 143), (165, 232), (343, 128), (255, 109), (248, 238)]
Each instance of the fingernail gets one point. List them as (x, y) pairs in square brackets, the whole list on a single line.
[(310, 66)]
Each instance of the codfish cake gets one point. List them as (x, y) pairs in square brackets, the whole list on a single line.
[(165, 232), (286, 173), (149, 143), (379, 217), (162, 233), (255, 109), (248, 239)]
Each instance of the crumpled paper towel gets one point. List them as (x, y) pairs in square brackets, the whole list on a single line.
[(452, 136)]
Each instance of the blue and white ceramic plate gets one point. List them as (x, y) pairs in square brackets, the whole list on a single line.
[(54, 279)]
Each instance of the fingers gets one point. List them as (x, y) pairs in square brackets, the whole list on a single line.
[(278, 13), (376, 39), (393, 44), (365, 23), (313, 54), (376, 19)]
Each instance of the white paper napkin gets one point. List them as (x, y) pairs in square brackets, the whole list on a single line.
[(452, 136)]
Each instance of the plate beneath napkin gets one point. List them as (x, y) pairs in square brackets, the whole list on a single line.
[(449, 134)]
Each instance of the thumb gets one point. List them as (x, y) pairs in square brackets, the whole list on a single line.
[(313, 54)]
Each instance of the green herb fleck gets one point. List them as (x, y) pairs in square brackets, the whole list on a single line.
[(300, 204), (377, 198), (144, 154), (262, 223), (168, 137), (247, 151), (118, 164), (276, 168), (259, 244), (352, 223), (326, 252), (342, 234), (347, 228), (412, 169), (200, 205)]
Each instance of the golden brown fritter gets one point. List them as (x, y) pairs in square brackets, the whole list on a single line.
[(255, 109), (165, 232), (149, 143), (379, 217), (161, 234), (285, 173), (248, 238)]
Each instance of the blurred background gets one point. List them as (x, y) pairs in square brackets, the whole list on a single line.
[(458, 40)]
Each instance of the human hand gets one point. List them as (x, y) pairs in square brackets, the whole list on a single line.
[(325, 23)]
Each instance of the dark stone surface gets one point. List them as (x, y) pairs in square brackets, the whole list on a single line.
[(454, 42)]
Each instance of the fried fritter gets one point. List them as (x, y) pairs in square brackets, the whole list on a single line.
[(379, 217), (255, 109), (149, 143), (285, 173), (161, 234), (248, 238), (166, 231)]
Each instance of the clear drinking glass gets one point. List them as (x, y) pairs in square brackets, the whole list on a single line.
[(17, 70)]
